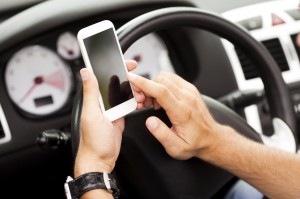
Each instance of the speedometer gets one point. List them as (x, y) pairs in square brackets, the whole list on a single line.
[(37, 80), (151, 54)]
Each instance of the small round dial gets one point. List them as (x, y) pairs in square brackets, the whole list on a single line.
[(151, 54), (37, 80), (67, 46)]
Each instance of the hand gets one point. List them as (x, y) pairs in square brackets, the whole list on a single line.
[(193, 128), (100, 140)]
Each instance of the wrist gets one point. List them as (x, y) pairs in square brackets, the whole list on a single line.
[(97, 193), (84, 165), (212, 141)]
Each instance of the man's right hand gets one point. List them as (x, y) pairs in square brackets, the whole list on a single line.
[(193, 128)]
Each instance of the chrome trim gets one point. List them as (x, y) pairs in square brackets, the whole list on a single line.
[(7, 134), (107, 182), (283, 137), (252, 117)]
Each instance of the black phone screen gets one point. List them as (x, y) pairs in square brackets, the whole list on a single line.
[(108, 67)]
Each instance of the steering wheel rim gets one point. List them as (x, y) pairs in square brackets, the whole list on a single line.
[(275, 88), (194, 17)]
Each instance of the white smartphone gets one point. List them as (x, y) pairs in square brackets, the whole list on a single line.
[(102, 53)]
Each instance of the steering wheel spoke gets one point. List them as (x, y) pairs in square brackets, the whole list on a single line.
[(282, 138)]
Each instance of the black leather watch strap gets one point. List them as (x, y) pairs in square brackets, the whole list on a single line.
[(89, 181)]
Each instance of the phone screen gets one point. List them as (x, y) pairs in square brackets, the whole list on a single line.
[(107, 63)]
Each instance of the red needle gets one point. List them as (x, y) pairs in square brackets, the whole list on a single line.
[(38, 80), (56, 79), (70, 52)]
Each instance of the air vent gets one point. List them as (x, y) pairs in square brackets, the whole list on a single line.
[(274, 47)]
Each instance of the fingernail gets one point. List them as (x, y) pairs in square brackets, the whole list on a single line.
[(131, 75), (84, 73), (152, 123)]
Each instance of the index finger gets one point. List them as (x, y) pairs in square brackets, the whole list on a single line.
[(130, 64), (160, 92)]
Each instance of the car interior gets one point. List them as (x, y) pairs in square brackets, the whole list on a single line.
[(243, 57)]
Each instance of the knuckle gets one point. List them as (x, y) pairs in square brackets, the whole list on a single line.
[(188, 114), (165, 137), (163, 73), (195, 91), (178, 153), (163, 91), (141, 82), (192, 96), (90, 90), (186, 111), (85, 90), (193, 101), (161, 77)]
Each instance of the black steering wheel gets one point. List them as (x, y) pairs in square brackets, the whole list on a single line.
[(143, 167)]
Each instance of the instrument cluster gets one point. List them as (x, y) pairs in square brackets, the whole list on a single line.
[(40, 79)]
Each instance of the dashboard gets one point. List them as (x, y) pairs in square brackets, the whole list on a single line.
[(40, 62), (39, 78), (276, 25)]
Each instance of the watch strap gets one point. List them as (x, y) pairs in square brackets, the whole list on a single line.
[(89, 181)]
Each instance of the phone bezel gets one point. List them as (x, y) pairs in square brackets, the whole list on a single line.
[(125, 107)]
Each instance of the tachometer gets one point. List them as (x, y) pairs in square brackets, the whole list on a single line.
[(37, 80), (151, 54)]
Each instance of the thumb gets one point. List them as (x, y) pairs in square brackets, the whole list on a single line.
[(90, 90), (160, 131)]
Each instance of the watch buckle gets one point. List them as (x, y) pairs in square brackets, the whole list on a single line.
[(67, 189), (106, 182)]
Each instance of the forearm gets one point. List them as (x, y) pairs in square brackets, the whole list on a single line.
[(274, 172), (195, 133)]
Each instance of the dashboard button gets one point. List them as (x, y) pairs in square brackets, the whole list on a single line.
[(252, 23), (276, 20)]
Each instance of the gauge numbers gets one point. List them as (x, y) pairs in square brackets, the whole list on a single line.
[(37, 80)]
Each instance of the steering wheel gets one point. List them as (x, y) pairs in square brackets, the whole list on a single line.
[(143, 167)]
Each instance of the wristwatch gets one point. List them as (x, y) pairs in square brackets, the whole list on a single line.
[(74, 188)]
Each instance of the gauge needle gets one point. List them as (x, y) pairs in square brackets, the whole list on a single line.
[(56, 79), (38, 80), (70, 52)]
